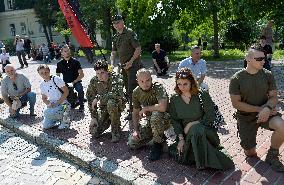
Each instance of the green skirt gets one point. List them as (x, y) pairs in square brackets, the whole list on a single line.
[(202, 148)]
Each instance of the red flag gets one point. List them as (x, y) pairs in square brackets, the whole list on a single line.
[(77, 29)]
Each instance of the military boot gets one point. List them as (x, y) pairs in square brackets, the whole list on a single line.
[(272, 158), (156, 150), (115, 133)]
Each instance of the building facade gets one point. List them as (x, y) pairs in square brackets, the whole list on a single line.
[(25, 23)]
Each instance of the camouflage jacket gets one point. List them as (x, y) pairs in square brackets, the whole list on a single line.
[(113, 90)]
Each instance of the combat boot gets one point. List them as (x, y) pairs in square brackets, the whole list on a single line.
[(156, 150), (115, 133), (272, 158)]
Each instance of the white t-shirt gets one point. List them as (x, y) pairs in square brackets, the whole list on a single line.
[(50, 90), (4, 57)]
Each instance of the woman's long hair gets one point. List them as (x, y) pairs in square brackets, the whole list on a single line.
[(185, 73)]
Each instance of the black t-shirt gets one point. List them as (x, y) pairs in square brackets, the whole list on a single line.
[(160, 57), (69, 69)]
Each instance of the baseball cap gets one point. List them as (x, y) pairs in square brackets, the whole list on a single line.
[(116, 18)]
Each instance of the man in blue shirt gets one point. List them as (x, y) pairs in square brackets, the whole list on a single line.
[(196, 65)]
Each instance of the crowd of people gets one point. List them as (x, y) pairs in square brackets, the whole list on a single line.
[(190, 110)]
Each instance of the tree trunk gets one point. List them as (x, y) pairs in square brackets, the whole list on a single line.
[(108, 29), (46, 34), (216, 30), (50, 33)]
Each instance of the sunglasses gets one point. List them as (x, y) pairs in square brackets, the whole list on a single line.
[(259, 59), (15, 86)]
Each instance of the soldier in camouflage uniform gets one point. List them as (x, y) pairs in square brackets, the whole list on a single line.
[(106, 101), (150, 120), (126, 44)]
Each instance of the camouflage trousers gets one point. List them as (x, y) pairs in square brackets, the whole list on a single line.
[(151, 128), (107, 115)]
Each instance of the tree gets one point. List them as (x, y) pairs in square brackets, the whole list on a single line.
[(46, 12)]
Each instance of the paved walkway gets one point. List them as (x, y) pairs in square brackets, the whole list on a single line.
[(23, 163), (166, 171)]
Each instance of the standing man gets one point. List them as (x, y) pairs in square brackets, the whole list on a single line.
[(4, 58), (20, 50), (150, 120), (197, 66), (268, 33), (106, 101), (27, 46), (160, 60), (253, 93), (126, 44), (16, 91), (72, 73)]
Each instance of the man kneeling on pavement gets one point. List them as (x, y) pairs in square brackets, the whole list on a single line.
[(106, 101), (16, 92), (54, 93), (150, 120)]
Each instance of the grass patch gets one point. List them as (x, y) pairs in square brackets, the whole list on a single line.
[(230, 54), (278, 55)]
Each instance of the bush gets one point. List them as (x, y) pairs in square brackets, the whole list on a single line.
[(9, 46), (278, 55)]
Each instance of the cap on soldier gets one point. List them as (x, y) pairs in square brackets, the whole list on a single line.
[(116, 18)]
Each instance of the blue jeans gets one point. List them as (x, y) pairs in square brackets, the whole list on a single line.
[(52, 115), (79, 88), (29, 97)]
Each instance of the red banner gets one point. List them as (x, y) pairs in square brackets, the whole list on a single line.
[(77, 29)]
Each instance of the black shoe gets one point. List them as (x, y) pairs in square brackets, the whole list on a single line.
[(22, 66), (129, 116), (81, 108), (156, 151)]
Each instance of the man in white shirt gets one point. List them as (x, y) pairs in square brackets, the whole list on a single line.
[(4, 58), (197, 66), (54, 93)]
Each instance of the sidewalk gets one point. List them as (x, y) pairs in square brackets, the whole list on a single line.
[(120, 165)]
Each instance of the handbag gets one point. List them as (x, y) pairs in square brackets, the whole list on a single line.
[(219, 119)]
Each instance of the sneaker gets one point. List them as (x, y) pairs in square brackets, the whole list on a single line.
[(272, 158), (63, 126), (156, 151), (22, 66)]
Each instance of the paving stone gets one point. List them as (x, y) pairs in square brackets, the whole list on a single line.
[(38, 166)]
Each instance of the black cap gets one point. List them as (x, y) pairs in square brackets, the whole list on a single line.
[(117, 18)]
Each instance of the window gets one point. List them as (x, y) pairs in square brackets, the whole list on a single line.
[(12, 30), (23, 28), (10, 4)]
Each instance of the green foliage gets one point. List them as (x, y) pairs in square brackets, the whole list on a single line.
[(231, 54), (24, 4), (9, 45), (278, 55), (96, 52)]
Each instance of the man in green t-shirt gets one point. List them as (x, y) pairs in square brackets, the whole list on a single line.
[(254, 95), (150, 120)]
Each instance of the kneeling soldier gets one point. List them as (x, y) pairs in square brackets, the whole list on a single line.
[(106, 101), (150, 119)]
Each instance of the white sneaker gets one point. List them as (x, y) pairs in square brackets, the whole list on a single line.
[(63, 126)]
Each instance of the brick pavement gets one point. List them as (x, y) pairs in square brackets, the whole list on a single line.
[(24, 163), (133, 166)]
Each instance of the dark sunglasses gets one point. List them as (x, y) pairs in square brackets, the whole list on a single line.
[(182, 74), (259, 59), (15, 86)]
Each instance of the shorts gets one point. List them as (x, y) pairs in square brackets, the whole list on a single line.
[(247, 128)]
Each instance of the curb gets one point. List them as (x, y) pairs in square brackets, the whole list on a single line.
[(105, 168)]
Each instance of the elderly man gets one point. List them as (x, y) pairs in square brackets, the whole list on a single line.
[(126, 44), (254, 95), (150, 101), (54, 93), (106, 101), (197, 66), (160, 60), (16, 92)]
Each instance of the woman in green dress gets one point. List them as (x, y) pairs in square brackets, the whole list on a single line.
[(197, 142)]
